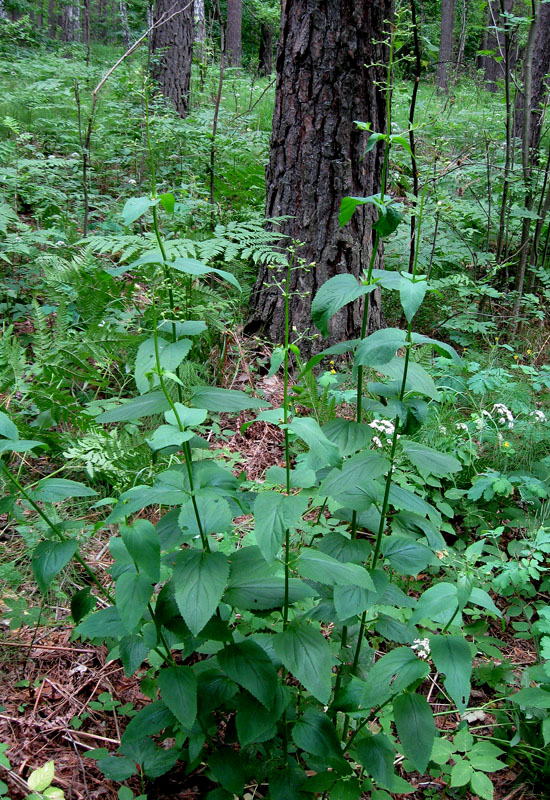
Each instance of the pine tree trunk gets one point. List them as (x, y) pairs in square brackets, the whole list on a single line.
[(540, 70), (172, 49), (233, 33), (266, 49), (71, 23), (445, 44), (317, 156)]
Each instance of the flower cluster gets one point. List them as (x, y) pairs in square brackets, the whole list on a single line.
[(539, 416), (384, 426), (422, 648), (505, 415)]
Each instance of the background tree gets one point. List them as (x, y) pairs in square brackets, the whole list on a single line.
[(493, 61), (172, 49), (317, 152), (539, 75), (445, 44), (233, 33)]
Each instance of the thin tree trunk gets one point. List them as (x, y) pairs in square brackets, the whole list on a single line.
[(494, 65), (233, 33), (318, 157), (71, 23), (266, 49), (445, 44), (52, 23), (172, 49), (540, 69), (3, 12), (123, 11), (86, 29), (200, 27)]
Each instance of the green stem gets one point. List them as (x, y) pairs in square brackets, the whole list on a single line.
[(57, 532)]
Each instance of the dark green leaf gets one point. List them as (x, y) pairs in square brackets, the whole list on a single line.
[(306, 654), (347, 435), (48, 560), (145, 406), (322, 452), (82, 602), (254, 722), (178, 690), (135, 207), (102, 625), (132, 594), (451, 655), (214, 399), (249, 666), (142, 542), (227, 769), (406, 555), (376, 754), (392, 673), (133, 652), (416, 728), (200, 579), (55, 490), (333, 295), (315, 733), (380, 347), (320, 567), (149, 720), (274, 513), (411, 294), (429, 461)]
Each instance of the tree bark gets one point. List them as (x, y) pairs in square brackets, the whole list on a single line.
[(316, 156), (266, 49), (200, 26), (123, 11), (71, 23), (3, 12), (233, 33), (445, 44), (52, 22), (540, 70), (172, 49)]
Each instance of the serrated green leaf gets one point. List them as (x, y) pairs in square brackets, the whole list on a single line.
[(142, 542), (380, 347), (200, 580), (178, 690), (149, 720), (391, 674), (482, 785), (248, 665), (315, 733), (320, 567), (406, 555), (306, 654), (132, 593), (274, 513), (429, 461), (40, 778), (461, 772)]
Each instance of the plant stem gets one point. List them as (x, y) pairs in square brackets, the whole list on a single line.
[(57, 532)]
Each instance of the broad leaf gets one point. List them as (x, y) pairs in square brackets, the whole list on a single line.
[(171, 354), (178, 690), (451, 655), (380, 347), (102, 624), (411, 294), (406, 555), (320, 567), (55, 490), (376, 754), (200, 579), (438, 603), (133, 652), (306, 654), (418, 380), (145, 406), (254, 722), (333, 295), (429, 461), (532, 696), (135, 207), (416, 728), (274, 513), (142, 542), (48, 560), (322, 452), (214, 399), (347, 435), (132, 593), (168, 436), (7, 427), (249, 666), (315, 733), (149, 720), (392, 673)]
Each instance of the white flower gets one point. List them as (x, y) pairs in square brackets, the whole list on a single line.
[(422, 648), (461, 426), (383, 425), (540, 416), (376, 441), (505, 415), (101, 324), (132, 181), (60, 243), (443, 429)]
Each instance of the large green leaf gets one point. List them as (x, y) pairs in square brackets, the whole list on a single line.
[(349, 485), (320, 567), (55, 490), (145, 406), (532, 696), (333, 295), (348, 435), (178, 690), (200, 580), (349, 204), (452, 655), (438, 603), (274, 513), (380, 347), (7, 427), (132, 593), (322, 452), (149, 720), (392, 673), (351, 600), (306, 654), (315, 733), (214, 399), (255, 584), (406, 555), (142, 542), (429, 461), (133, 652), (411, 294), (249, 666), (168, 436), (135, 207), (103, 624), (376, 754), (171, 354), (416, 728), (418, 380), (254, 722), (48, 560), (442, 348), (190, 266)]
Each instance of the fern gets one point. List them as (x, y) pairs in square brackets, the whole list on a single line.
[(13, 361), (43, 345)]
